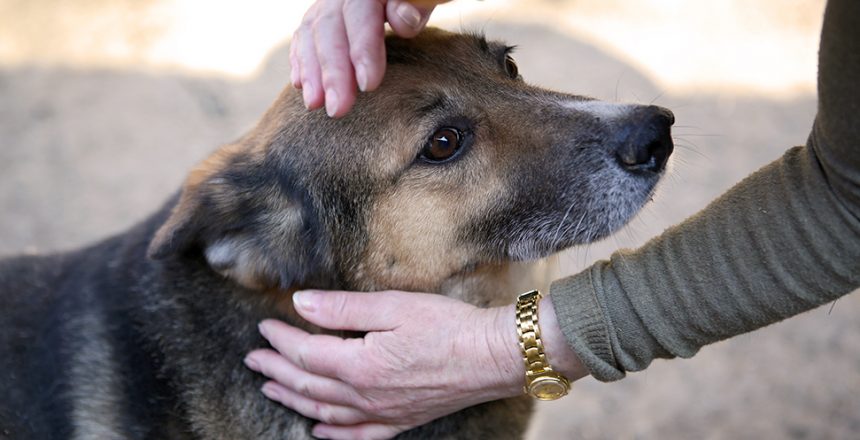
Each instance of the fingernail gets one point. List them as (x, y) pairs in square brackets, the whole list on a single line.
[(252, 364), (330, 102), (308, 94), (409, 14), (270, 391), (294, 78), (303, 299), (319, 435), (361, 76), (263, 329)]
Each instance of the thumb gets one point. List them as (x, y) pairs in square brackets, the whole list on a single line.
[(408, 18), (362, 311)]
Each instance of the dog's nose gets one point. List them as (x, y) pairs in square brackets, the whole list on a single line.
[(644, 142)]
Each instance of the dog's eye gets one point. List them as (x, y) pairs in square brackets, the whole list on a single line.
[(442, 146), (511, 67)]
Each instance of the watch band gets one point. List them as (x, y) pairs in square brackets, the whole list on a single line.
[(542, 382)]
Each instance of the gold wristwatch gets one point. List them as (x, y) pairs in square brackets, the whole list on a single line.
[(542, 382)]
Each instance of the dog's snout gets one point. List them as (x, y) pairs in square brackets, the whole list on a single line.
[(644, 141)]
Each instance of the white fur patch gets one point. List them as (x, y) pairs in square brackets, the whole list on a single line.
[(600, 109)]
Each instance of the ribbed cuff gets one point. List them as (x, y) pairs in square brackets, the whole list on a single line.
[(584, 325)]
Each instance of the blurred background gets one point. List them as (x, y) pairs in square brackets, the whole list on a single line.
[(106, 104)]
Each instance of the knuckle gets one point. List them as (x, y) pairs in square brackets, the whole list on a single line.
[(395, 297), (303, 387), (359, 53), (306, 70), (324, 412), (302, 354), (352, 377), (363, 383), (349, 4), (361, 380), (355, 5), (332, 57), (307, 21), (371, 406), (340, 306), (326, 17), (310, 15)]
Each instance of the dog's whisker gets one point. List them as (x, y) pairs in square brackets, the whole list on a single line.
[(686, 142), (674, 177), (700, 135), (676, 106), (692, 149), (694, 127), (561, 223), (617, 84), (579, 224), (659, 95)]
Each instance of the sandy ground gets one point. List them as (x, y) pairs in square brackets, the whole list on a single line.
[(86, 152)]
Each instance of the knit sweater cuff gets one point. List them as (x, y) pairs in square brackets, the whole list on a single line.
[(584, 324)]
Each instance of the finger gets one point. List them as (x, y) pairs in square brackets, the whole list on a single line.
[(324, 355), (332, 46), (407, 19), (295, 65), (365, 29), (312, 91), (364, 430), (427, 3), (324, 412), (364, 311), (274, 366)]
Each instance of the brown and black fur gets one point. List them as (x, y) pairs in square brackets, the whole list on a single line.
[(143, 335)]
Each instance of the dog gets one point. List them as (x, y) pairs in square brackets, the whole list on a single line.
[(442, 180)]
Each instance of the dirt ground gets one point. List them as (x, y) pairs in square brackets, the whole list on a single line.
[(87, 152)]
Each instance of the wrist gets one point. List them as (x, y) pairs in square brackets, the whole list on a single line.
[(503, 343), (506, 354), (558, 352)]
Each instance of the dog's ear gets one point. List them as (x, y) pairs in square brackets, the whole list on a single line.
[(181, 228), (248, 218)]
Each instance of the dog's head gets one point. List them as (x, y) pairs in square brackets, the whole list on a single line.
[(453, 163)]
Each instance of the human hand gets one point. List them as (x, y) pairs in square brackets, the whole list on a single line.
[(340, 44), (425, 356)]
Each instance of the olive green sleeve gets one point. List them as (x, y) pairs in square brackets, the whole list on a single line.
[(784, 240)]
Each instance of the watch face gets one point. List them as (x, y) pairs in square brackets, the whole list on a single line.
[(547, 388)]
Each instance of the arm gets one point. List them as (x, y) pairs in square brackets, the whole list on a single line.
[(783, 241)]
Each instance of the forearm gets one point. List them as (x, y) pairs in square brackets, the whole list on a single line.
[(770, 248), (783, 241)]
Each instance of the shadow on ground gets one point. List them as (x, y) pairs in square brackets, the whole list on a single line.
[(84, 154)]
